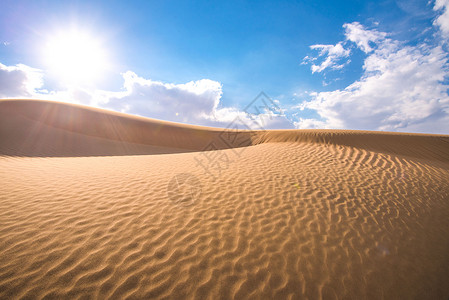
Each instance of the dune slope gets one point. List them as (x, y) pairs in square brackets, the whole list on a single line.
[(285, 214)]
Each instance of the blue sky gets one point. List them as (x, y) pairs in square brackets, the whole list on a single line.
[(202, 62)]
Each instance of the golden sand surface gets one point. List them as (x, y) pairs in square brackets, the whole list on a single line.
[(99, 204)]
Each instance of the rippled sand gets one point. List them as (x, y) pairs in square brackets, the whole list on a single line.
[(100, 204)]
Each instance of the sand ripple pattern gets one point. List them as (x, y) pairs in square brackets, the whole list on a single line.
[(283, 221)]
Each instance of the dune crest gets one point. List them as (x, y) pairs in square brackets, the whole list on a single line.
[(48, 128), (288, 214)]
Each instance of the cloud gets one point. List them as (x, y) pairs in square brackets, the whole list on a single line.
[(442, 20), (401, 88), (19, 81), (182, 102), (333, 54), (195, 102), (357, 34), (310, 124)]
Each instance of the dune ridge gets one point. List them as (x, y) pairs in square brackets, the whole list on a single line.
[(294, 214), (74, 125)]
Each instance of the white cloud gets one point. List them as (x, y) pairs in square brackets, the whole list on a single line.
[(363, 38), (160, 100), (195, 102), (401, 88), (333, 54), (442, 20), (310, 124), (19, 81)]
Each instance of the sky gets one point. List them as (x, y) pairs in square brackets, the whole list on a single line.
[(368, 65)]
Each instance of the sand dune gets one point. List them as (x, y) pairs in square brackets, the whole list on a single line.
[(44, 128), (101, 204)]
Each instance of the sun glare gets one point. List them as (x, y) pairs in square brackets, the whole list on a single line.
[(74, 57)]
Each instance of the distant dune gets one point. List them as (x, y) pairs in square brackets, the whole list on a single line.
[(100, 204)]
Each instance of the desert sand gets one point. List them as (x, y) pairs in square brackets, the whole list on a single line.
[(99, 204)]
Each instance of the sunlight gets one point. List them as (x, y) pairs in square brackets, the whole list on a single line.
[(75, 57)]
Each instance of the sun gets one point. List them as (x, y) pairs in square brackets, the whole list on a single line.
[(75, 57)]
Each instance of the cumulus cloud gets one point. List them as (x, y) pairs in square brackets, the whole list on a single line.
[(187, 102), (333, 54), (195, 102), (19, 81), (304, 123), (401, 88)]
